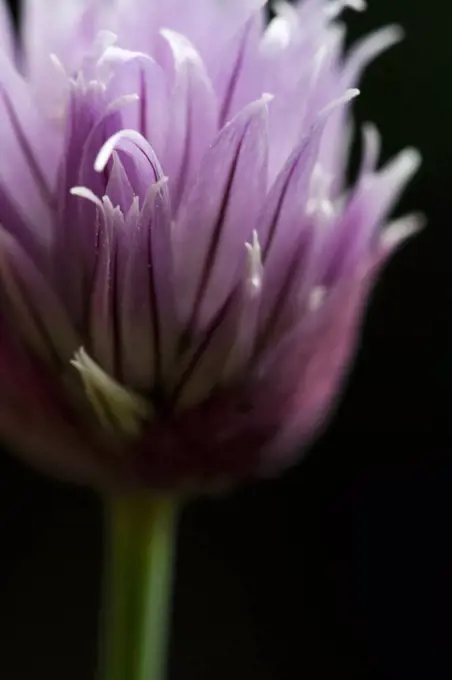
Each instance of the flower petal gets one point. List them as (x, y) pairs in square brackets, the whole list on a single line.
[(333, 153), (36, 419), (285, 229), (192, 116), (239, 76), (119, 190), (104, 327), (147, 312), (366, 211), (305, 372), (33, 308), (219, 215), (138, 73), (65, 29), (142, 165), (7, 38), (30, 148)]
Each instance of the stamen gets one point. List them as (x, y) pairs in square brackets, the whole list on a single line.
[(118, 409)]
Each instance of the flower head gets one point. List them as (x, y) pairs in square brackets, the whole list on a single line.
[(182, 266)]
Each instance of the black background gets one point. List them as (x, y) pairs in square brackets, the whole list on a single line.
[(342, 568)]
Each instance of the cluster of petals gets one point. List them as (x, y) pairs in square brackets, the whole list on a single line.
[(183, 267)]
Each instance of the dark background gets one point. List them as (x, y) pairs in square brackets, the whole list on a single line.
[(342, 568)]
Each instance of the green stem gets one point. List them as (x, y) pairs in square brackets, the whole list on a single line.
[(139, 574)]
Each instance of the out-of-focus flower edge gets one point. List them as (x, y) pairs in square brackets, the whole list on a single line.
[(180, 259)]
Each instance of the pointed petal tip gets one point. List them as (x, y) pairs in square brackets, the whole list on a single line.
[(110, 145), (382, 39), (267, 97), (347, 97), (84, 192), (370, 129), (357, 5), (119, 103), (405, 165), (401, 229), (182, 48), (412, 159), (335, 8)]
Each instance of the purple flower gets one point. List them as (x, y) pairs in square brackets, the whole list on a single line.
[(182, 266)]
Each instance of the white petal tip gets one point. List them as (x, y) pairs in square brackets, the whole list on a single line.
[(411, 159), (105, 39), (267, 97), (58, 64), (348, 96), (357, 5), (84, 192), (399, 230), (116, 141), (351, 94), (336, 7), (369, 128)]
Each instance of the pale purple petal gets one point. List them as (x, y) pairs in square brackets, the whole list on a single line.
[(137, 155), (192, 117), (134, 72), (66, 29), (119, 189), (147, 295), (103, 313), (30, 148), (219, 215), (333, 152), (32, 305), (366, 211), (239, 77)]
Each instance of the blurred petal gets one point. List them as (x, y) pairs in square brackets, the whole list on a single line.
[(7, 37), (53, 440), (30, 148), (366, 211), (32, 305), (307, 369)]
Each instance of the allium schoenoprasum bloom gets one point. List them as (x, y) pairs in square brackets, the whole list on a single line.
[(183, 269)]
